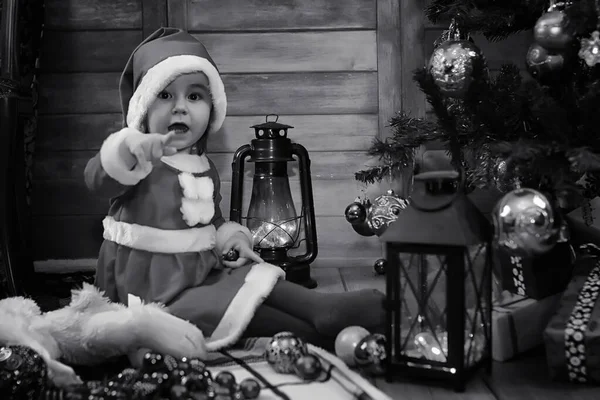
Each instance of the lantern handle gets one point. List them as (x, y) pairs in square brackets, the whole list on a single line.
[(271, 115), (308, 207), (237, 182)]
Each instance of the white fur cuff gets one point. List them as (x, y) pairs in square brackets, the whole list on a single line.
[(226, 230), (112, 163)]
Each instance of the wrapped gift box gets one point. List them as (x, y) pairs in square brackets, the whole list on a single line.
[(536, 277), (572, 337), (584, 223), (518, 324)]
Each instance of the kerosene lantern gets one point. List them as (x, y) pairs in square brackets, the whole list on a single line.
[(438, 284), (272, 218)]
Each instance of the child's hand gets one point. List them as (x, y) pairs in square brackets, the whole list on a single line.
[(239, 242), (149, 148)]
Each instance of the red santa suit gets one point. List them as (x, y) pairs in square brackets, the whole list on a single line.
[(164, 232)]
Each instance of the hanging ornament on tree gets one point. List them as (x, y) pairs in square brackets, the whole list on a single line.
[(553, 30), (542, 64), (356, 213), (589, 50), (500, 177), (553, 36), (455, 64), (524, 223), (385, 210)]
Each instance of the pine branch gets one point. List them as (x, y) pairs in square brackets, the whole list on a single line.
[(379, 173)]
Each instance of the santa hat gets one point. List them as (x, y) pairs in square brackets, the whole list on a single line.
[(155, 63)]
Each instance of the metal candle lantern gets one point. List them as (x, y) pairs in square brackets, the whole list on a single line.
[(272, 218), (438, 282)]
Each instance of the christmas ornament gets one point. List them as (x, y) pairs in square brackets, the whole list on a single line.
[(231, 255), (356, 212), (225, 379), (370, 353), (590, 49), (153, 362), (308, 367), (346, 341), (431, 347), (23, 373), (454, 66), (380, 266), (499, 176), (554, 31), (250, 388), (385, 210), (524, 222), (283, 350), (543, 64)]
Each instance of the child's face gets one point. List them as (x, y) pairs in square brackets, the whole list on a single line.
[(184, 107)]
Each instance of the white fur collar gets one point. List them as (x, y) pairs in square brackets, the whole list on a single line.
[(184, 162)]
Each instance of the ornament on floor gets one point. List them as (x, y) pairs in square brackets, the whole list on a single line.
[(524, 223), (380, 266), (308, 367), (346, 342), (250, 388), (370, 354), (163, 376), (455, 64), (385, 210), (283, 350), (231, 255), (23, 373)]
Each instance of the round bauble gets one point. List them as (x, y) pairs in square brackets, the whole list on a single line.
[(542, 64), (308, 367), (23, 373), (385, 210), (250, 388), (524, 223), (356, 213), (283, 350), (454, 65), (380, 266), (346, 341), (554, 31), (370, 353)]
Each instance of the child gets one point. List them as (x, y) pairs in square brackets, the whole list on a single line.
[(165, 236)]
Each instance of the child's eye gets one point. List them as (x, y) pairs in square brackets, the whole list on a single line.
[(195, 96), (163, 95)]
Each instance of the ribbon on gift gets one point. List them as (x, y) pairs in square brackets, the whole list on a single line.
[(579, 319), (517, 273)]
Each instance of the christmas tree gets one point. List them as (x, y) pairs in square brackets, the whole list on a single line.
[(538, 129)]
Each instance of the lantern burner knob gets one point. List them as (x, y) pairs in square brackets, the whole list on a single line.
[(271, 129)]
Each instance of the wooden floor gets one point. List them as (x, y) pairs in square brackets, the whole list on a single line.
[(523, 378)]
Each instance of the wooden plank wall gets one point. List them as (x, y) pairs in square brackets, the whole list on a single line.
[(336, 71), (313, 63)]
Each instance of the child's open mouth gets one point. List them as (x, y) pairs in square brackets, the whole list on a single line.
[(178, 128)]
